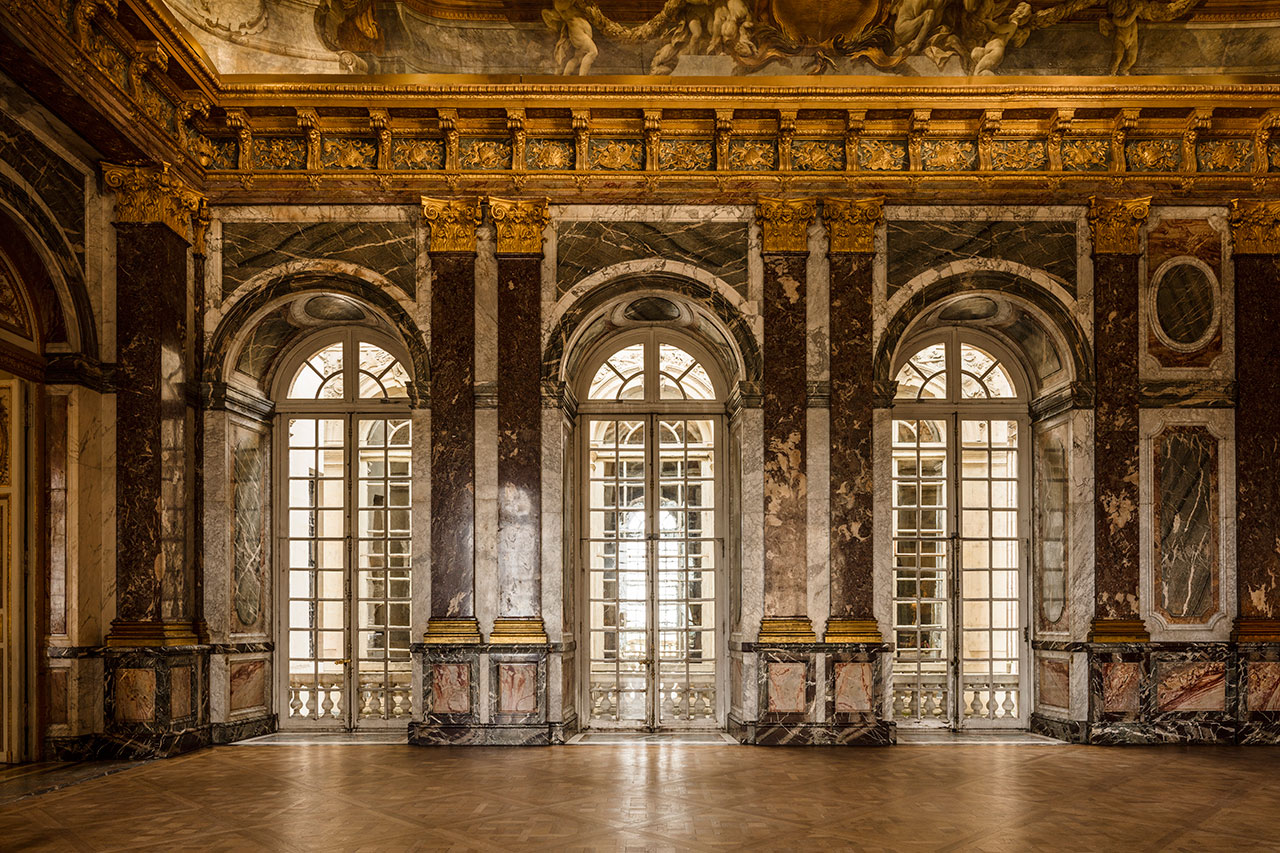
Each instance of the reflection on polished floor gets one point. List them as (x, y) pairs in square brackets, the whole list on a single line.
[(634, 797)]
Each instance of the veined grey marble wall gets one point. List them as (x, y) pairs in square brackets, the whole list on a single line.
[(915, 246)]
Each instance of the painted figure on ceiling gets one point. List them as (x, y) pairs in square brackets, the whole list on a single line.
[(1121, 24)]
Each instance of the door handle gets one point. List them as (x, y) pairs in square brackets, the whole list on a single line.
[(343, 661)]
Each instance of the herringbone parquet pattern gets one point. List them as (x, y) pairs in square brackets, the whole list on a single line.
[(380, 798)]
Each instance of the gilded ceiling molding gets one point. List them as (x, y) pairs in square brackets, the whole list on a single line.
[(1255, 226), (1117, 224), (452, 223), (519, 225), (147, 195), (784, 223), (851, 223)]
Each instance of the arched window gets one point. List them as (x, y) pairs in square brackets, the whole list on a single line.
[(651, 429), (346, 488), (959, 477)]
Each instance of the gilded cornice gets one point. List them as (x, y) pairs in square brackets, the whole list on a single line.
[(149, 196), (1255, 227), (851, 223), (784, 223), (452, 223), (1117, 224), (519, 224)]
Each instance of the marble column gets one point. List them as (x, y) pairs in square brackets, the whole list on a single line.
[(155, 584), (452, 226), (784, 227), (519, 226), (1117, 228), (1255, 227), (851, 226)]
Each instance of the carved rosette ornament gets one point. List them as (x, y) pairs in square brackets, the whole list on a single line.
[(452, 223), (784, 223), (147, 195), (1255, 227), (519, 225), (1117, 224), (851, 223)]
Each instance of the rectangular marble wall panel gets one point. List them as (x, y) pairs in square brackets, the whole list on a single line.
[(248, 680), (1052, 543), (1189, 311), (135, 695), (1185, 511), (1054, 683), (450, 688), (585, 247), (1121, 687), (1262, 686), (854, 687), (517, 688), (786, 688), (916, 246), (387, 248), (250, 528), (1195, 686), (180, 678)]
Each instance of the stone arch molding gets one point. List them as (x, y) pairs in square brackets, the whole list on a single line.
[(287, 283), (579, 313)]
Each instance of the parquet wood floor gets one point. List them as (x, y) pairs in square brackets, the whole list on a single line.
[(635, 797)]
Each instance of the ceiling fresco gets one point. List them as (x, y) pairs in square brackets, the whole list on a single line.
[(709, 38)]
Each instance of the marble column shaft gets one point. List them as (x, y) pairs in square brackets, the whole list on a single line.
[(1257, 437), (519, 435), (785, 486), (153, 581), (453, 446), (1116, 437), (851, 430)]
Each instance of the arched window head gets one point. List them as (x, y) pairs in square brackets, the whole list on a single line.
[(651, 370), (347, 368), (954, 370)]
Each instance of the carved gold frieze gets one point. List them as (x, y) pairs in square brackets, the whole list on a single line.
[(1153, 155), (348, 153), (1085, 155), (784, 223), (519, 224), (549, 154), (817, 155), (487, 154), (753, 155), (279, 153), (948, 155), (417, 154), (882, 155), (851, 223), (1225, 155), (110, 58), (148, 195), (156, 106), (1117, 224), (616, 155), (452, 223), (685, 155), (1019, 155), (1255, 227)]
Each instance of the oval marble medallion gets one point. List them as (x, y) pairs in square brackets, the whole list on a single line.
[(1184, 305)]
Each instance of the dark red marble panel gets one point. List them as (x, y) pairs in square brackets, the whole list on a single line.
[(453, 428), (851, 471), (1115, 312), (1258, 435), (519, 435), (785, 486)]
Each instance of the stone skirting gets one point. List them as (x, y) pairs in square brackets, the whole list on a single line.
[(872, 732), (243, 729)]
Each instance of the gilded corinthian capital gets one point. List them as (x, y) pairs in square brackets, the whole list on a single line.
[(519, 225), (851, 223), (148, 195), (452, 223), (1255, 227), (784, 223), (1117, 224)]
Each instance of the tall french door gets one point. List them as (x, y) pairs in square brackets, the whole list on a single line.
[(959, 544), (652, 554)]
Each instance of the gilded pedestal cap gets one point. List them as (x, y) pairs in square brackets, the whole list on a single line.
[(1117, 224), (784, 223), (784, 631), (452, 223), (519, 225), (148, 195), (851, 223)]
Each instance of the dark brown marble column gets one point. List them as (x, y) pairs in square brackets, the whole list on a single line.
[(519, 228), (784, 241), (155, 588), (1117, 247), (851, 226), (452, 224), (1256, 235)]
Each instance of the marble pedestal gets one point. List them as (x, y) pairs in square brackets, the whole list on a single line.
[(155, 704)]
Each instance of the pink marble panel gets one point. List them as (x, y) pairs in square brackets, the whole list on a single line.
[(58, 698), (853, 688), (451, 688), (248, 684), (1055, 682), (1121, 686), (1263, 685), (786, 688), (135, 695), (517, 688), (180, 692), (1198, 686)]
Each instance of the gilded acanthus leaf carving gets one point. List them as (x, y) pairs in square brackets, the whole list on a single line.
[(619, 155), (452, 223), (148, 195), (851, 223), (784, 223), (753, 155), (1018, 155), (817, 155), (1226, 155), (1154, 155), (485, 154), (519, 224), (1255, 227), (1085, 155), (949, 155), (880, 155), (348, 153), (684, 155), (280, 152), (549, 154), (417, 153), (1117, 224)]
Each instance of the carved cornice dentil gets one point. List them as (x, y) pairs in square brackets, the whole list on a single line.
[(1117, 224), (1255, 226), (148, 195), (519, 225), (784, 223), (452, 223), (851, 223)]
